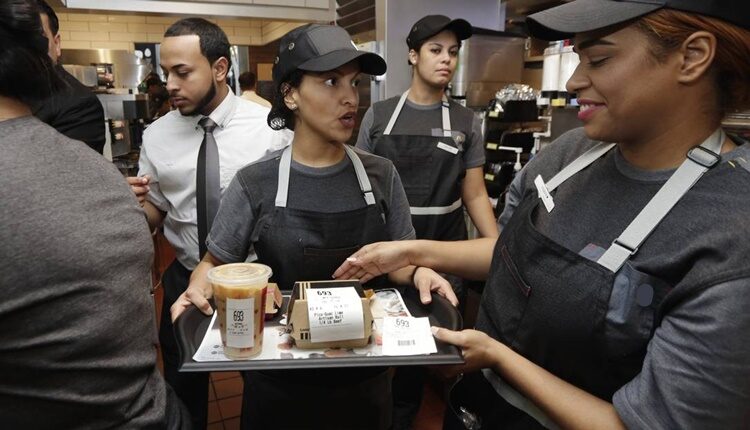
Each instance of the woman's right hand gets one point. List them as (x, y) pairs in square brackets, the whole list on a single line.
[(197, 294), (374, 260)]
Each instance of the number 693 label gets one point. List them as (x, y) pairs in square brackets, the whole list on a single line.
[(407, 336)]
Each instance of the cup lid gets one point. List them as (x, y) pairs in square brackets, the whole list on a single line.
[(239, 273)]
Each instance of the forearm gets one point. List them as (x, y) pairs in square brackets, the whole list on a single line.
[(477, 202), (469, 259), (567, 405), (480, 212), (154, 216), (403, 276)]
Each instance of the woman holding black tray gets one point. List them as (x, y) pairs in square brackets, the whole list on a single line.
[(617, 294), (303, 210)]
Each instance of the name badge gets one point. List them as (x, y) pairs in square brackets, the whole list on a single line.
[(544, 194), (452, 149)]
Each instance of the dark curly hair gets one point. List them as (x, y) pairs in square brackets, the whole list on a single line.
[(281, 116), (26, 71)]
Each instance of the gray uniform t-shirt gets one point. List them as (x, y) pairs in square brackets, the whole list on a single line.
[(696, 373), (78, 321), (330, 189), (417, 119)]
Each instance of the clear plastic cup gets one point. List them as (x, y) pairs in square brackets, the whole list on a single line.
[(239, 291)]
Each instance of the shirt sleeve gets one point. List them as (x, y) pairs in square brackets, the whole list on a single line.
[(229, 239), (146, 167), (512, 198), (696, 373), (364, 140), (474, 155), (399, 216)]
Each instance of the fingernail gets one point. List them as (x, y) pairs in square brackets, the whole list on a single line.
[(434, 330), (351, 259)]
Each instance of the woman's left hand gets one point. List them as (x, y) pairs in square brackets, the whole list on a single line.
[(427, 280), (478, 349)]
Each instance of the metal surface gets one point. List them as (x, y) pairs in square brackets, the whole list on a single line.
[(86, 75), (487, 63), (124, 114), (128, 70)]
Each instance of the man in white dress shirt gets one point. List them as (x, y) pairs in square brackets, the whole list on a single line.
[(195, 58)]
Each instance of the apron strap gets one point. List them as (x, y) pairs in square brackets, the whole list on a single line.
[(579, 164), (699, 160), (446, 117), (445, 112), (285, 166), (394, 115), (364, 181)]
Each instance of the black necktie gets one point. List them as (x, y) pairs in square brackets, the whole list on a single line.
[(208, 188)]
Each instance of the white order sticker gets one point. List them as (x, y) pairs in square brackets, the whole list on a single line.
[(335, 314), (446, 147), (407, 336), (240, 323)]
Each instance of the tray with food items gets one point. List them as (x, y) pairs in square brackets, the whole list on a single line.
[(321, 324)]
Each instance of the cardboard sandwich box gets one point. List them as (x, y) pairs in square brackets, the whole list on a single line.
[(274, 299), (298, 322)]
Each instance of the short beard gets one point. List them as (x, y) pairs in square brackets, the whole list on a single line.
[(208, 98)]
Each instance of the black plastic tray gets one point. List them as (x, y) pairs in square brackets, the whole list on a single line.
[(191, 326)]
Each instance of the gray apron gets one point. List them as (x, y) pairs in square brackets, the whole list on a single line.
[(303, 245), (431, 172), (560, 309)]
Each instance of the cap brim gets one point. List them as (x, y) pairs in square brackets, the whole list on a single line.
[(461, 27), (369, 62), (563, 22)]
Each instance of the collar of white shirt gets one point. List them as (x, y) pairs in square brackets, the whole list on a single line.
[(222, 115)]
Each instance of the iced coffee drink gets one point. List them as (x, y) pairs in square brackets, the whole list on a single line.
[(239, 291)]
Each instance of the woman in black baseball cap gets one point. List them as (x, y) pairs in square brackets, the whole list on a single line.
[(437, 146), (618, 291), (303, 210)]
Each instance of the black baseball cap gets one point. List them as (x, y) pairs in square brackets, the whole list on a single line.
[(434, 24), (320, 48), (563, 22)]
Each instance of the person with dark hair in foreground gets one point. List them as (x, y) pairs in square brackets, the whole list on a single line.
[(247, 85), (73, 110), (188, 158), (77, 314), (618, 293)]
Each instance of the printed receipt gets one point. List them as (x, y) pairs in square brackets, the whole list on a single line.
[(407, 336), (335, 314)]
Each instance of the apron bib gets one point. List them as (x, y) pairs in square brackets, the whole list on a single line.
[(303, 246), (431, 172), (306, 246), (586, 319)]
